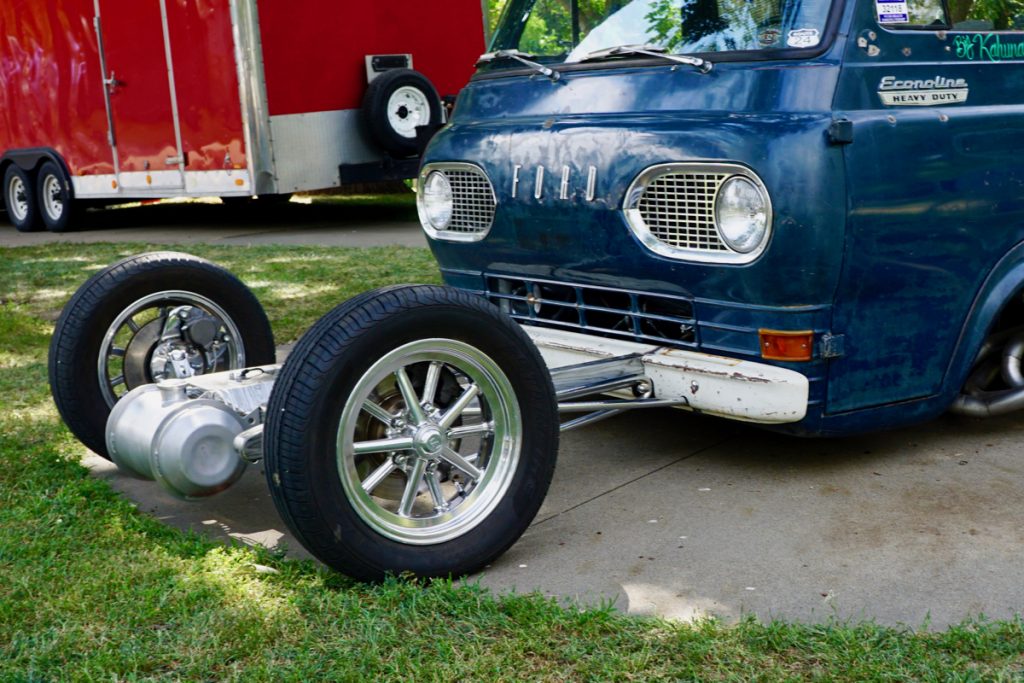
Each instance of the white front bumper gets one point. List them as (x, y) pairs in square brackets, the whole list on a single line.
[(737, 389)]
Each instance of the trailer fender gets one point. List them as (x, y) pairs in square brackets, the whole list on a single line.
[(1003, 284), (30, 159)]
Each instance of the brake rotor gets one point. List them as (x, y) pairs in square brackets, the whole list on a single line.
[(138, 353)]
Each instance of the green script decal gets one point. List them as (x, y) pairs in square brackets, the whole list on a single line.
[(987, 47)]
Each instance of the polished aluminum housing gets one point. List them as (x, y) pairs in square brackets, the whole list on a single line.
[(671, 210), (474, 203), (182, 432)]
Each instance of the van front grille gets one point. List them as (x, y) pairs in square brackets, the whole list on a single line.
[(670, 208), (679, 210), (598, 311), (474, 202)]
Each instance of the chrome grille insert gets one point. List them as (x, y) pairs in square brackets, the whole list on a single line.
[(671, 210), (474, 202), (679, 210)]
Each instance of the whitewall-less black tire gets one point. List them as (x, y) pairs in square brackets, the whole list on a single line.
[(54, 198), (412, 429), (20, 199), (111, 335), (396, 103)]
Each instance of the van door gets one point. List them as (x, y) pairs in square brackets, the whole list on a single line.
[(934, 175), (140, 95)]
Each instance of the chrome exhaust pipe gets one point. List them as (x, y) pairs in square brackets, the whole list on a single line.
[(976, 402)]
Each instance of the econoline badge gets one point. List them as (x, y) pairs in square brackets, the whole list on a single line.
[(922, 92)]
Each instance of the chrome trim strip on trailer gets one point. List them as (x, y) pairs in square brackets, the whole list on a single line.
[(727, 387), (197, 184), (178, 160), (111, 137), (252, 90), (143, 181)]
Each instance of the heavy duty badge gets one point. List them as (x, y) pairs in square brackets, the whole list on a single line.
[(923, 92)]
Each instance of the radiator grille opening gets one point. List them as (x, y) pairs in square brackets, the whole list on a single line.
[(600, 311)]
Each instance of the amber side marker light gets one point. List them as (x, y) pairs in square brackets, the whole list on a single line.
[(788, 346)]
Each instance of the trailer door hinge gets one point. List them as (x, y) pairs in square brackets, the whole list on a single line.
[(832, 345), (174, 161), (841, 132)]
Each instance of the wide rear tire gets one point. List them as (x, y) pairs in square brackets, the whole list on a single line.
[(111, 335), (435, 474)]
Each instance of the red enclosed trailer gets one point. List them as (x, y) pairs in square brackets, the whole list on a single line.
[(117, 99)]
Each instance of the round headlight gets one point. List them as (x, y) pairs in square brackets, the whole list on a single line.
[(436, 201), (741, 214)]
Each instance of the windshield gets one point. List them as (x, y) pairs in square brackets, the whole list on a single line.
[(569, 30)]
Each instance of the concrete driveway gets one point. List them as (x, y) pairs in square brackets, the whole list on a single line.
[(301, 221), (680, 515)]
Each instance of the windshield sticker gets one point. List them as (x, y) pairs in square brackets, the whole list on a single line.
[(892, 12), (803, 37), (769, 37), (987, 47), (923, 92)]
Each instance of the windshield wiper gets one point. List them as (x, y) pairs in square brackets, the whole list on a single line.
[(703, 65), (522, 58)]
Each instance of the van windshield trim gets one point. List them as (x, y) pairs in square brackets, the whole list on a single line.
[(722, 34), (488, 72)]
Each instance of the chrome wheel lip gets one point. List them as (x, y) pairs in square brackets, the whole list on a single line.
[(52, 202), (17, 198), (236, 348), (416, 103), (502, 457)]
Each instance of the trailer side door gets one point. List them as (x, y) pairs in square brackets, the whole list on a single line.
[(141, 95)]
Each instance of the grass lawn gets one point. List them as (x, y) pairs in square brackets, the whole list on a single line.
[(91, 589)]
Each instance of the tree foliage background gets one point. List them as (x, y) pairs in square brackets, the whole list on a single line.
[(1004, 14)]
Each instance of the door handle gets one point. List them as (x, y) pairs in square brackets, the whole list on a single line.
[(112, 83)]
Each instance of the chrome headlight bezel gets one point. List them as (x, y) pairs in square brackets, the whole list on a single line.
[(467, 223), (723, 254)]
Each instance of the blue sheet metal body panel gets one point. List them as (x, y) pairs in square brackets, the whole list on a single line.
[(901, 242)]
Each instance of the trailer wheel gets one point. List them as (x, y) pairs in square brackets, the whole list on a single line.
[(20, 199), (412, 429), (396, 103), (55, 204), (149, 317)]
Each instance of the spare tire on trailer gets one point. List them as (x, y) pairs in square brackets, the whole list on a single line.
[(397, 102)]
